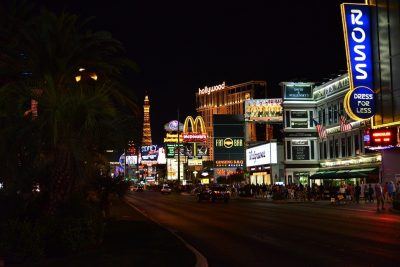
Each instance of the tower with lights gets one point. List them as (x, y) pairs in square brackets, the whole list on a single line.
[(146, 139)]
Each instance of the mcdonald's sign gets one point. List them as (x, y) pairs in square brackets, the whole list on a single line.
[(194, 130)]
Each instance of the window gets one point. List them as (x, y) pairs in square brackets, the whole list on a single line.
[(349, 152), (321, 150), (311, 114), (325, 150), (323, 117), (357, 145), (335, 113), (288, 150), (343, 142), (331, 149), (312, 149), (320, 116), (336, 148), (341, 110), (330, 115), (287, 117)]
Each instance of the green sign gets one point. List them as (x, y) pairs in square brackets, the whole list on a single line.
[(298, 92)]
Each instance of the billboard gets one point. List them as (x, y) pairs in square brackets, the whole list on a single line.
[(229, 139), (298, 91), (383, 137), (149, 154), (172, 169), (201, 150), (131, 160), (172, 126), (264, 110), (359, 102), (262, 155)]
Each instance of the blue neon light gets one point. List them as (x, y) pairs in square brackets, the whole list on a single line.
[(359, 44), (362, 102)]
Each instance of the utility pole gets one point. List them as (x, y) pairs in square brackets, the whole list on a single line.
[(179, 154)]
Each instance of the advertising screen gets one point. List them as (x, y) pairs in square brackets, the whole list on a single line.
[(149, 153), (131, 160), (383, 137), (262, 155), (264, 110), (229, 137), (172, 169)]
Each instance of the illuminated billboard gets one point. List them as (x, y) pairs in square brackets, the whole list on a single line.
[(264, 110), (172, 169), (383, 137), (229, 140), (262, 155), (359, 102), (149, 154)]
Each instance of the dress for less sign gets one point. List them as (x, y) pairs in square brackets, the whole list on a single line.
[(360, 100)]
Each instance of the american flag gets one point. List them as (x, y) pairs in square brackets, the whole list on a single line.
[(320, 129), (344, 125)]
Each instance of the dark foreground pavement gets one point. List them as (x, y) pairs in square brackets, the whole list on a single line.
[(130, 240), (257, 233)]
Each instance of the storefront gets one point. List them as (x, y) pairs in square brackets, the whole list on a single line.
[(259, 161)]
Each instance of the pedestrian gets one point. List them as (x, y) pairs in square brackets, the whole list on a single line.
[(370, 194), (385, 192), (357, 193), (379, 196), (391, 191)]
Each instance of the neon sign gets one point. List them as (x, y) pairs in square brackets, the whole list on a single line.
[(383, 137), (208, 90), (360, 100)]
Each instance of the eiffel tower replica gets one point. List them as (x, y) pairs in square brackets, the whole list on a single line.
[(146, 139)]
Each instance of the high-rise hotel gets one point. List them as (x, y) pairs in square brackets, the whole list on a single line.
[(227, 99)]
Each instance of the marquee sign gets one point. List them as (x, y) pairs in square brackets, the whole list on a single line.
[(359, 101)]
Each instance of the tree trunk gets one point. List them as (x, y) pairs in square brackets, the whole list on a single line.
[(62, 179)]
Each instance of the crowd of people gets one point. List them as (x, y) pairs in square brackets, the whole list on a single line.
[(337, 194)]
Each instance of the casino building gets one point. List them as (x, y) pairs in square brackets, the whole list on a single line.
[(227, 100)]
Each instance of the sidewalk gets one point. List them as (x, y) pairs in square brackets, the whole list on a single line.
[(130, 239)]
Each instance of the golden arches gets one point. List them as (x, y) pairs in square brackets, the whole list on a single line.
[(198, 125)]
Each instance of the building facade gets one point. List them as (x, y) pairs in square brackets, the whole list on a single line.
[(341, 153), (227, 100), (300, 137)]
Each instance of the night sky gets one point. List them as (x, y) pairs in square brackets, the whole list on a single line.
[(181, 46)]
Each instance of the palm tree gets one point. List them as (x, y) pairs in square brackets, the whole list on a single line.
[(77, 120)]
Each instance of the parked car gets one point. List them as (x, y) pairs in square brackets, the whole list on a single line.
[(214, 194), (166, 189)]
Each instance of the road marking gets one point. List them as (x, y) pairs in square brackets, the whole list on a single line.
[(201, 261)]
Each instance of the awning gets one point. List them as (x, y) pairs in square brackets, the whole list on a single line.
[(344, 173)]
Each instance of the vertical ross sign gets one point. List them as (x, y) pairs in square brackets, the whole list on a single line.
[(360, 100)]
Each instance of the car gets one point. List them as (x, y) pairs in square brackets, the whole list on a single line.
[(166, 189), (140, 188), (214, 194)]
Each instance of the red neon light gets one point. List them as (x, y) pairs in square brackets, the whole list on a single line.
[(378, 134)]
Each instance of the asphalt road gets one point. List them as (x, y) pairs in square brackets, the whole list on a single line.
[(259, 233)]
